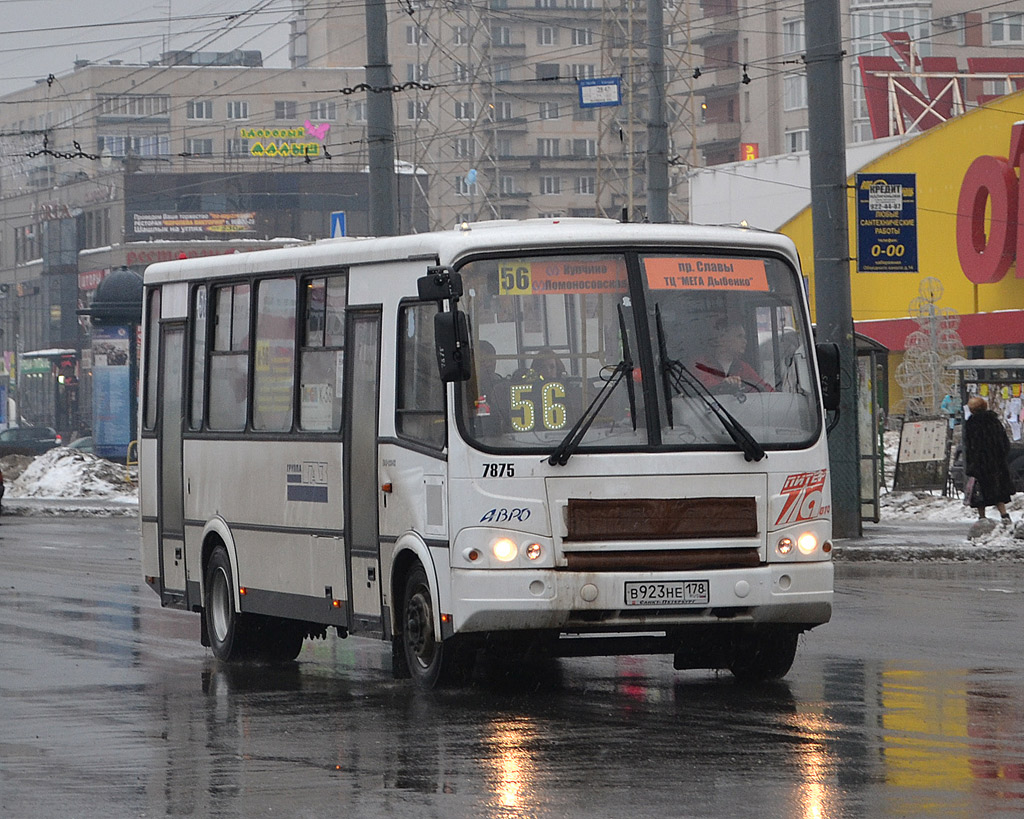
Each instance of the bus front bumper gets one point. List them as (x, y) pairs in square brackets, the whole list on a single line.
[(506, 600)]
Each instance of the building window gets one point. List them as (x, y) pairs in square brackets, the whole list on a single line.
[(461, 72), (507, 185), (417, 110), (142, 145), (547, 147), (547, 71), (501, 110), (582, 36), (583, 114), (320, 111), (584, 147), (504, 145), (284, 110), (199, 109), (463, 110), (238, 147), (579, 4), (464, 188), (793, 36), (796, 141), (413, 35), (503, 72), (501, 36), (549, 110), (417, 72), (199, 147), (547, 4), (133, 105), (547, 35), (359, 111), (460, 35), (586, 185), (464, 148), (238, 109), (583, 71), (550, 185), (794, 95), (1007, 28)]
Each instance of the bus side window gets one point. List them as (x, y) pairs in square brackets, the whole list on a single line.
[(195, 419), (322, 357), (152, 360), (229, 358), (274, 362), (419, 408)]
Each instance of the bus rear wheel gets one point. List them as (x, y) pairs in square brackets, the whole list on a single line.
[(433, 662), (764, 655), (229, 630)]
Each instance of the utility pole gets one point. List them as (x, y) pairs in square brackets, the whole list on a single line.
[(657, 128), (833, 308), (380, 121)]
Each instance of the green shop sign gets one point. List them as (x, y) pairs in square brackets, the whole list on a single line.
[(279, 142)]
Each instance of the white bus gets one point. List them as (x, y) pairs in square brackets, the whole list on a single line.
[(569, 437)]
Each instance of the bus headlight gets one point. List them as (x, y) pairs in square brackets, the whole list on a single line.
[(807, 543), (504, 549)]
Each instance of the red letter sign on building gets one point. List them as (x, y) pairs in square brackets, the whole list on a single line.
[(990, 180)]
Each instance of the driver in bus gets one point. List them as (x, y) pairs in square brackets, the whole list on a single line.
[(491, 389), (722, 368)]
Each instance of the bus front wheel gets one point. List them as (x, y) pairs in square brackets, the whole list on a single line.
[(764, 655), (227, 628), (432, 662)]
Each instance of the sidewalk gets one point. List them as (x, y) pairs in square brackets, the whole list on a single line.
[(914, 540), (70, 507)]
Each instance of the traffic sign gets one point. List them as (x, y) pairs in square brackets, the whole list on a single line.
[(338, 224)]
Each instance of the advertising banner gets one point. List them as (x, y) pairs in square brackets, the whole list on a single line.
[(887, 223)]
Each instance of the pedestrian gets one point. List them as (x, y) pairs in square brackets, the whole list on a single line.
[(985, 448)]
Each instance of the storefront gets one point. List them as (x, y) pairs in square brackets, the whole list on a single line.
[(963, 180)]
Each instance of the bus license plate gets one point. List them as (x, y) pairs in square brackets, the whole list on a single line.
[(668, 593)]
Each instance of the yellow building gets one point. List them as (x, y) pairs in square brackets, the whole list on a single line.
[(966, 187)]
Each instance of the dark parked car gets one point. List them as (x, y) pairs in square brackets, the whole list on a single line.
[(27, 440)]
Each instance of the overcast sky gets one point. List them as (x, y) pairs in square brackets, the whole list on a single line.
[(43, 37)]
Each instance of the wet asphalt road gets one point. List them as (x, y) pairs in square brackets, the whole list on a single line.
[(910, 703)]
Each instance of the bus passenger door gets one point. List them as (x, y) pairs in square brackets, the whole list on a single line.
[(362, 380), (170, 499)]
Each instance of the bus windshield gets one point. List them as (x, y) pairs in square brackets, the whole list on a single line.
[(717, 352)]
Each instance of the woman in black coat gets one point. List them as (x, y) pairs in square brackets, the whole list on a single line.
[(985, 450)]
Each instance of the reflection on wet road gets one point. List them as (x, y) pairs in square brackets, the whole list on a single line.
[(910, 703)]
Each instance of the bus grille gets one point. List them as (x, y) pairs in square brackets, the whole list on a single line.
[(668, 560), (596, 520)]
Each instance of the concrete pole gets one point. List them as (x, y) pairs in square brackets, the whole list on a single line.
[(657, 128), (834, 311), (380, 122)]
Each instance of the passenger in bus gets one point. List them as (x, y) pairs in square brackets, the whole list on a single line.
[(722, 368), (547, 365), (491, 389)]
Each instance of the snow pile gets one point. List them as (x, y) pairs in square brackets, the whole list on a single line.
[(69, 473)]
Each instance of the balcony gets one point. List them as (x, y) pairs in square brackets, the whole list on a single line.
[(714, 135)]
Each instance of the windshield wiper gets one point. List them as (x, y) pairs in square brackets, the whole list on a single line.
[(623, 370), (679, 380)]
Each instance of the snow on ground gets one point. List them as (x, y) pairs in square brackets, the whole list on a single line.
[(64, 473), (932, 506)]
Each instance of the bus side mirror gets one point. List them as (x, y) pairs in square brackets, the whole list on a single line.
[(439, 284), (451, 339), (828, 369)]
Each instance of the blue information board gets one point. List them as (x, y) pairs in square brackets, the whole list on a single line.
[(887, 223), (338, 224), (598, 92)]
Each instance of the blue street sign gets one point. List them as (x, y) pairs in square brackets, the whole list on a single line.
[(338, 224), (598, 92)]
